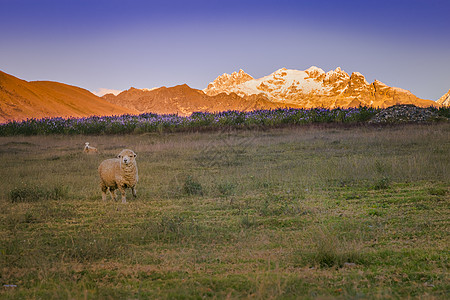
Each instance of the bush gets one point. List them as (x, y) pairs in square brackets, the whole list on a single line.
[(444, 111), (383, 183), (192, 187), (226, 188)]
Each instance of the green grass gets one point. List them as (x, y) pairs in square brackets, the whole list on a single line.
[(284, 213)]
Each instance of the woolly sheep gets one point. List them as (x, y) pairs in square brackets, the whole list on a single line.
[(89, 149), (119, 173)]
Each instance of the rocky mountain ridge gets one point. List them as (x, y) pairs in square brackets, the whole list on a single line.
[(184, 100), (315, 88)]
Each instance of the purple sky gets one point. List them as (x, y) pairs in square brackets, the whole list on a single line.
[(117, 44)]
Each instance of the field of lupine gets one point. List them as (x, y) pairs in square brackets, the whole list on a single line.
[(149, 122), (310, 212)]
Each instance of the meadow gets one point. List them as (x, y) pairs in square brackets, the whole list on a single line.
[(309, 211)]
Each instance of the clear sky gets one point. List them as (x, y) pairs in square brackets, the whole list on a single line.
[(116, 44)]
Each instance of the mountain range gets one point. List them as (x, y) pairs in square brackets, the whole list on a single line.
[(283, 88), (184, 100), (20, 99), (315, 88)]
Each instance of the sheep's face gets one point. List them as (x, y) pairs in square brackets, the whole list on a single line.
[(127, 156)]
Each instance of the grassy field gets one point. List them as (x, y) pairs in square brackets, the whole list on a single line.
[(308, 212)]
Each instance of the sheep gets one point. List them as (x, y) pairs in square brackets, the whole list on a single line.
[(89, 149), (119, 173)]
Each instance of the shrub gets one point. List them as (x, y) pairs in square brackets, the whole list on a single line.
[(192, 187), (246, 222), (383, 183), (226, 188), (444, 111)]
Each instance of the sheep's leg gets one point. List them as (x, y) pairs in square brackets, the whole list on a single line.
[(104, 188), (122, 191), (113, 194), (133, 190)]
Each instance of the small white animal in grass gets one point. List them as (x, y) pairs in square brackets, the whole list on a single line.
[(89, 149)]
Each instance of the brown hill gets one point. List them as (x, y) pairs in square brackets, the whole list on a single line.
[(20, 99), (183, 100)]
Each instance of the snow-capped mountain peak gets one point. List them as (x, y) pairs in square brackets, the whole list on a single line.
[(445, 100), (314, 69), (280, 85), (338, 75), (359, 78), (226, 80), (311, 88)]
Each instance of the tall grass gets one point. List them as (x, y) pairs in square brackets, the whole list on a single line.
[(328, 248)]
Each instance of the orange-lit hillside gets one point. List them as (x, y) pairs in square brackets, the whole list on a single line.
[(20, 99)]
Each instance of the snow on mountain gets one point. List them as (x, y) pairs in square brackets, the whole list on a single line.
[(102, 91), (314, 88), (282, 84), (148, 90), (310, 88), (445, 100), (224, 81)]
